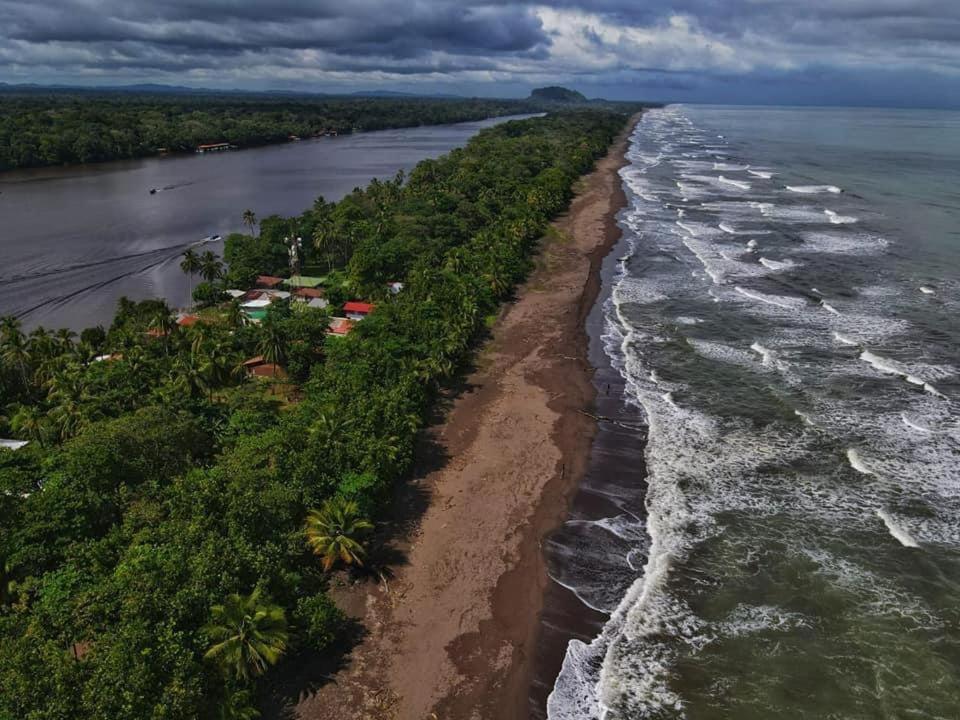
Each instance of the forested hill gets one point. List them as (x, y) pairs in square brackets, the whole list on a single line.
[(170, 531), (57, 128)]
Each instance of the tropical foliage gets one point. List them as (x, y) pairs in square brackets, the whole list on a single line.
[(162, 506)]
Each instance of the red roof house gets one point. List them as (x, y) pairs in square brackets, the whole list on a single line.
[(339, 326), (356, 310), (187, 320), (268, 281), (306, 292)]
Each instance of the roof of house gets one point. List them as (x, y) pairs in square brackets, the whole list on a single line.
[(236, 293), (257, 360), (13, 444), (187, 320), (258, 303), (355, 306), (318, 303), (269, 280), (268, 370), (156, 332), (309, 292), (340, 326), (305, 281)]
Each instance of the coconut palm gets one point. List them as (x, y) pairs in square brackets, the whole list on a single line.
[(210, 266), (15, 350), (272, 345), (333, 532), (249, 219), (164, 322), (235, 316), (249, 634), (30, 423), (190, 265)]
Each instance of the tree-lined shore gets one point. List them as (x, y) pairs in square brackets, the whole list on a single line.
[(169, 531)]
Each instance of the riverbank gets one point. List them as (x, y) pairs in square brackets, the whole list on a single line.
[(454, 632)]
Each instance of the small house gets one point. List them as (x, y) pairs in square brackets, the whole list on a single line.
[(356, 310), (340, 326), (269, 281), (394, 287), (187, 320)]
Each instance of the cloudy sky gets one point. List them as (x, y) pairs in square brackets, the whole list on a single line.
[(887, 52)]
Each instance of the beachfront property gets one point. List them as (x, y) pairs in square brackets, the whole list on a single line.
[(356, 310)]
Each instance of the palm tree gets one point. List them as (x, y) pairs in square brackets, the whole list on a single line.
[(272, 345), (30, 423), (164, 322), (235, 316), (210, 266), (15, 351), (332, 532), (249, 634), (190, 265), (249, 219)]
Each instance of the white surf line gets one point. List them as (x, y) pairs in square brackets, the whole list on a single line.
[(836, 219), (761, 174), (887, 366), (765, 298), (806, 418), (736, 183), (912, 425), (829, 308), (853, 457), (813, 189), (899, 533), (765, 353), (773, 264), (843, 339), (926, 290)]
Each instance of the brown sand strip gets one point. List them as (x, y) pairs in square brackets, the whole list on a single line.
[(452, 636)]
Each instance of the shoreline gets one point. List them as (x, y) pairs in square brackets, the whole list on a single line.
[(455, 632)]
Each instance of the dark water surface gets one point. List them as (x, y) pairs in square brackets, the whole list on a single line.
[(74, 240), (784, 317)]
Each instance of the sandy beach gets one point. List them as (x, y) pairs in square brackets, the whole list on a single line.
[(452, 634)]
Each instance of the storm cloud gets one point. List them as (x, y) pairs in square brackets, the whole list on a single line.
[(684, 48)]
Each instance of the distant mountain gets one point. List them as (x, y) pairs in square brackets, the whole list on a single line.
[(557, 94)]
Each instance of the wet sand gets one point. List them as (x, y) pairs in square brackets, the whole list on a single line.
[(454, 634)]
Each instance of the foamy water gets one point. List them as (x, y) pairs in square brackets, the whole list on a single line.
[(802, 539)]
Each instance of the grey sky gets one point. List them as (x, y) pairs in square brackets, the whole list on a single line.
[(884, 51)]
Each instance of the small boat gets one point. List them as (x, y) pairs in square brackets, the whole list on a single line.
[(153, 191)]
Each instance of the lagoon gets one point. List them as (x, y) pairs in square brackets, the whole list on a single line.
[(74, 240)]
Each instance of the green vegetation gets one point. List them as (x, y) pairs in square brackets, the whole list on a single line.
[(159, 549), (57, 128)]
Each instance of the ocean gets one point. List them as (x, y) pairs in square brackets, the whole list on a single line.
[(783, 313)]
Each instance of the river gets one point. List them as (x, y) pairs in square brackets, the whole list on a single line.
[(74, 240)]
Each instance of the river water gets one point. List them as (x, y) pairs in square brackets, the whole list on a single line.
[(784, 316), (74, 240)]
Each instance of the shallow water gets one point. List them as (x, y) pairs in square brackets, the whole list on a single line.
[(785, 318), (74, 240)]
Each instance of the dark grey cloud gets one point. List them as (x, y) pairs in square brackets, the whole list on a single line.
[(654, 44)]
